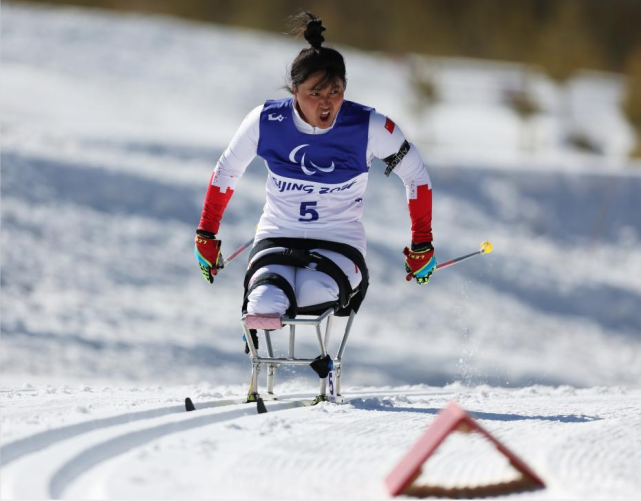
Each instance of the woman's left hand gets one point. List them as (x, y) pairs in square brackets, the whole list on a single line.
[(420, 262)]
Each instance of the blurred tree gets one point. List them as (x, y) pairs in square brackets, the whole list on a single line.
[(563, 47), (561, 35), (632, 103), (564, 43), (520, 100), (426, 95), (615, 26)]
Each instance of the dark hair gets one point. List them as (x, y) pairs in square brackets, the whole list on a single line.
[(315, 58)]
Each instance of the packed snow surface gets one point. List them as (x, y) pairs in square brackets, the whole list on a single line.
[(111, 126), (97, 442)]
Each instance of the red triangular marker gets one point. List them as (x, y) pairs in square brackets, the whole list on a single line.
[(451, 418)]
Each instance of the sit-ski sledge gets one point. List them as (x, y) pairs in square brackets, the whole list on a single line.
[(327, 367)]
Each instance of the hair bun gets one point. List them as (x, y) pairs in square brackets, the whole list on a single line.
[(314, 33)]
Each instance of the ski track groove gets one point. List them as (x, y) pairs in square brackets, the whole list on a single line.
[(33, 443), (18, 448), (94, 450), (103, 451), (32, 447)]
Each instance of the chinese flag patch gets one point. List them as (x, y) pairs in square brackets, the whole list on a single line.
[(389, 125)]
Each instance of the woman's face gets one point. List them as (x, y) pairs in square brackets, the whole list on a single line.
[(318, 107)]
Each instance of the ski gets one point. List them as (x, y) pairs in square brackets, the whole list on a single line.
[(190, 406), (291, 404), (261, 408)]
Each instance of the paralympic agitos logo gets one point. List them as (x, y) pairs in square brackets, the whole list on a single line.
[(306, 170)]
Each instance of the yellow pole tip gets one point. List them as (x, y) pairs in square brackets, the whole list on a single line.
[(486, 247)]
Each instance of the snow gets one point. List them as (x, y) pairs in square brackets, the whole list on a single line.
[(110, 127), (138, 443)]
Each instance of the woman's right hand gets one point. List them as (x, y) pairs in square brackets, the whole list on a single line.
[(207, 252)]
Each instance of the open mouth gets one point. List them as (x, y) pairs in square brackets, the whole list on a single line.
[(324, 117)]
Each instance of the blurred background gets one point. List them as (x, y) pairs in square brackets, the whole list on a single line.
[(527, 114), (561, 39)]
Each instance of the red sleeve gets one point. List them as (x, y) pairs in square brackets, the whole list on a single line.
[(421, 215), (213, 208)]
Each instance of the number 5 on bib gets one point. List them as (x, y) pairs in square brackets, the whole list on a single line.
[(307, 210)]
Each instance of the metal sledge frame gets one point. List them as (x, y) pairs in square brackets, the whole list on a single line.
[(273, 363)]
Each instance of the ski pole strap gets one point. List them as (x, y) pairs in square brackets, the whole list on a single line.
[(393, 160)]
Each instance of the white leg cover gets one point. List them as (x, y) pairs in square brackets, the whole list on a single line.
[(267, 298), (311, 287)]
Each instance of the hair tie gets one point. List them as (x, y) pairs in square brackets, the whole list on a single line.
[(314, 33)]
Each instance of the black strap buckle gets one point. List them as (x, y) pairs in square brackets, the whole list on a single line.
[(302, 258)]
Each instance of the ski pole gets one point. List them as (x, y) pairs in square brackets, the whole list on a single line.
[(486, 248), (237, 252)]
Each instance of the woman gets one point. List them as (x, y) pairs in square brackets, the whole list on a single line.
[(310, 243)]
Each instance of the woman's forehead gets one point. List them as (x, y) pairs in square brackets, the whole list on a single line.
[(320, 81)]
